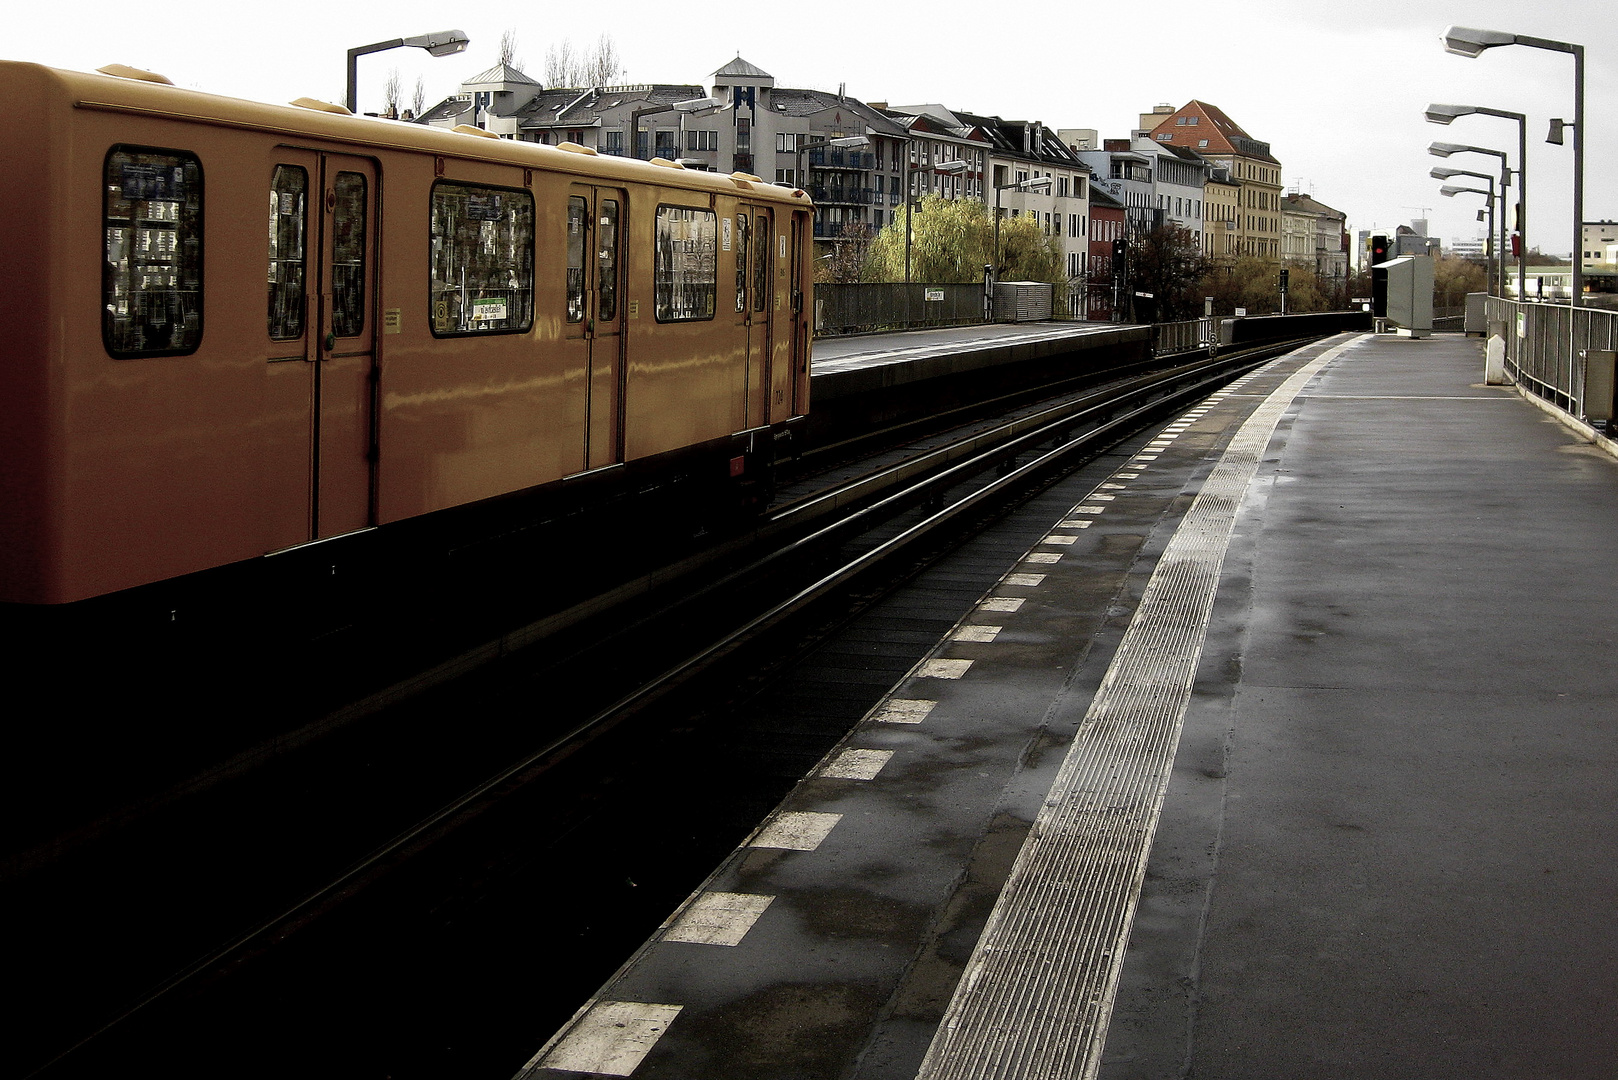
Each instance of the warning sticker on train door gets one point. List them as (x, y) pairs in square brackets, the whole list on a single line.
[(724, 234)]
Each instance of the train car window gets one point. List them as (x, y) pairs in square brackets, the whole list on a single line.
[(289, 193), (761, 262), (348, 256), (152, 274), (686, 264), (607, 262), (578, 226), (742, 248), (482, 259)]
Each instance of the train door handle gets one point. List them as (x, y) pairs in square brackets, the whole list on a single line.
[(331, 341)]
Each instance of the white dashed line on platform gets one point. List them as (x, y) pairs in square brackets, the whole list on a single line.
[(943, 669), (857, 764), (796, 830), (718, 918), (904, 711), (610, 1039)]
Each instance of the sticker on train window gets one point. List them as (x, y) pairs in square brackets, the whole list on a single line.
[(488, 310)]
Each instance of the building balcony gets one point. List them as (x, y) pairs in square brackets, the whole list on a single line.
[(841, 196), (835, 157)]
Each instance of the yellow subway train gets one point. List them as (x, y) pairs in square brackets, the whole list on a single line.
[(234, 329)]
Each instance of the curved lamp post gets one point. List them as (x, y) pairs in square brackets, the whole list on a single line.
[(1469, 42), (1445, 114), (947, 168), (443, 43), (1021, 185), (1451, 190), (694, 107), (1446, 174), (844, 142)]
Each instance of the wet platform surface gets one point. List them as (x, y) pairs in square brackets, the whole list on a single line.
[(839, 354), (1291, 750)]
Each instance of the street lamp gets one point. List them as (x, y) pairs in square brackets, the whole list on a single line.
[(1444, 150), (842, 142), (443, 43), (1444, 114), (1446, 174), (1468, 42), (1021, 185), (703, 106), (948, 168), (1451, 190)]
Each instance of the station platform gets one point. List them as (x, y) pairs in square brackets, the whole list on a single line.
[(1289, 751), (990, 342)]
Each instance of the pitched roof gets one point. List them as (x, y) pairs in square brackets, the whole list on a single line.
[(577, 108), (741, 69), (1224, 135), (500, 73)]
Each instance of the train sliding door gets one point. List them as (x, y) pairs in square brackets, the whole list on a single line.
[(755, 303), (595, 314), (322, 345), (346, 352)]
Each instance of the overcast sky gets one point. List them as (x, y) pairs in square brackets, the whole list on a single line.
[(1336, 89)]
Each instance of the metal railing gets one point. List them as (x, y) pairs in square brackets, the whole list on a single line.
[(1546, 346), (1192, 335), (863, 308)]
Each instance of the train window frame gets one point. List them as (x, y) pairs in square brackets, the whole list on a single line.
[(663, 291), (525, 267), (189, 230)]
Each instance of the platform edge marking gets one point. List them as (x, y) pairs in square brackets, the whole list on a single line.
[(796, 830), (608, 1038), (904, 711), (1035, 999), (856, 763), (718, 918)]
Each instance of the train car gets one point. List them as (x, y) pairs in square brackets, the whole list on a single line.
[(236, 329)]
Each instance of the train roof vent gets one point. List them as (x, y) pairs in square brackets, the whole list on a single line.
[(468, 129), (666, 163), (320, 106), (747, 176), (124, 71), (575, 148)]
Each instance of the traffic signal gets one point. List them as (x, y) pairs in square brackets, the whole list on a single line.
[(1379, 249), (1283, 280)]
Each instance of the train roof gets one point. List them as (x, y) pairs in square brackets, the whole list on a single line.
[(121, 89)]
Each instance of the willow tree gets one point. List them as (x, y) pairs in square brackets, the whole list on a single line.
[(951, 240), (1028, 252)]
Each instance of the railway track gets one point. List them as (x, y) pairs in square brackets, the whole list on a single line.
[(653, 662)]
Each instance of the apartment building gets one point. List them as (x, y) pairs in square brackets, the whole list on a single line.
[(777, 133), (1206, 129)]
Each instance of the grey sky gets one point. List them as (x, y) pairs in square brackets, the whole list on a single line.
[(1337, 90)]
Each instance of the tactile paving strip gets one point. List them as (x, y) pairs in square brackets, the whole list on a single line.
[(1036, 998)]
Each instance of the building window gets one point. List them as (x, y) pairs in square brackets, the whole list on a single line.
[(786, 144), (614, 142), (702, 140)]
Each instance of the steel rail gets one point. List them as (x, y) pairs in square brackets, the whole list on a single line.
[(1195, 379)]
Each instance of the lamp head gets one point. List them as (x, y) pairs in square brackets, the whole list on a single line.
[(443, 43), (1466, 41), (1444, 114)]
